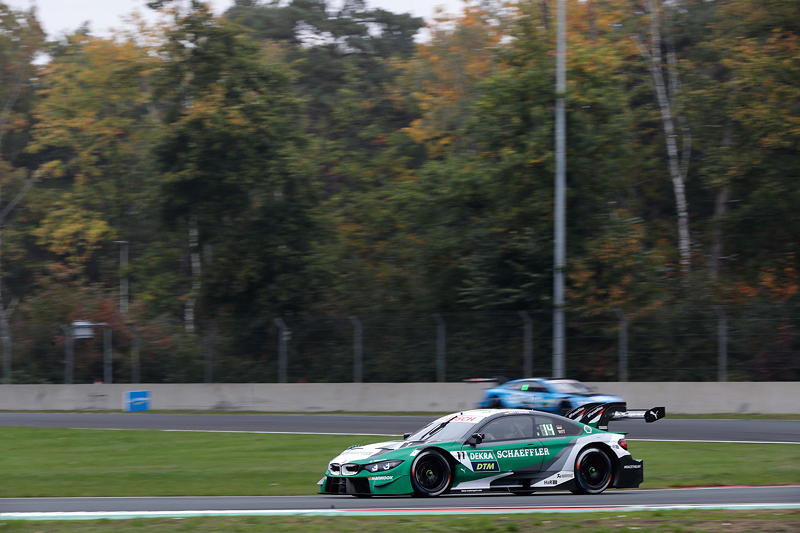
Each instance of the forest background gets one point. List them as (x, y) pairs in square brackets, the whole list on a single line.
[(292, 175)]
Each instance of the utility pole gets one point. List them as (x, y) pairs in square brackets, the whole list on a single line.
[(559, 233)]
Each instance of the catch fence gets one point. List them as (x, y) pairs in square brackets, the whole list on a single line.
[(668, 344)]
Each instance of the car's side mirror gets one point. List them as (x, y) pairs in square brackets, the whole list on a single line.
[(475, 439), (406, 435)]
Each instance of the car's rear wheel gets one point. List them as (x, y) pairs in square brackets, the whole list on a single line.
[(593, 471), (431, 474), (564, 408), (495, 403)]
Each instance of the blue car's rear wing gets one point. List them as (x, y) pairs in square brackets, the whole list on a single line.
[(598, 415)]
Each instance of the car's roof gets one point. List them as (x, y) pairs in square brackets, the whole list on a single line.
[(480, 414), (525, 379)]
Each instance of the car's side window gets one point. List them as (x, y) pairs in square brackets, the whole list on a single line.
[(538, 388), (509, 428), (548, 427)]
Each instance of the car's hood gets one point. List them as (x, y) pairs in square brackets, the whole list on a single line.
[(368, 451)]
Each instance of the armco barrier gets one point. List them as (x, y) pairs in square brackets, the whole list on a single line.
[(696, 397)]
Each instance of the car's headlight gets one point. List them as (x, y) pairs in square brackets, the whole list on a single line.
[(382, 466)]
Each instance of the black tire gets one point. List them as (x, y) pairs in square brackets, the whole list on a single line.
[(495, 403), (593, 471), (564, 408), (431, 474)]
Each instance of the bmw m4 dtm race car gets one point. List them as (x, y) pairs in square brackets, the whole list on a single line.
[(491, 450)]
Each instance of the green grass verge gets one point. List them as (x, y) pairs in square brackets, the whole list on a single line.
[(74, 462), (653, 521)]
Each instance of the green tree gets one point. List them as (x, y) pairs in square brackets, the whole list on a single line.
[(92, 139), (21, 38), (234, 177)]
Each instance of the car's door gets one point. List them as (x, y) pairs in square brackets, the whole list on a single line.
[(508, 445), (542, 398), (517, 395)]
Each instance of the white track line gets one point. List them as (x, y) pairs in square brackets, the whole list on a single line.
[(121, 515)]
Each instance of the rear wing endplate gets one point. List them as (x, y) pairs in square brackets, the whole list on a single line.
[(598, 415)]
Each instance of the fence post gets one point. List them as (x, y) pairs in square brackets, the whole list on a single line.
[(527, 344), (108, 376), (722, 344), (284, 334), (622, 345), (69, 354), (208, 348), (358, 349), (136, 370), (441, 346)]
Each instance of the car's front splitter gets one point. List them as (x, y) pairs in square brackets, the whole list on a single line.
[(377, 485)]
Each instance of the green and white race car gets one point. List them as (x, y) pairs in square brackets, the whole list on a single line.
[(496, 450)]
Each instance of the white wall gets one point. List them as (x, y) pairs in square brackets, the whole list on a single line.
[(710, 397), (700, 397)]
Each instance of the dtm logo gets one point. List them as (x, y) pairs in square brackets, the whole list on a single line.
[(485, 466), (478, 461)]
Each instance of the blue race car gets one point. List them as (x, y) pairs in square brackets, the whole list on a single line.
[(554, 395)]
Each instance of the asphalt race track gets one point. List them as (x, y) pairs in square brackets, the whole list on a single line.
[(666, 429), (678, 429), (700, 497)]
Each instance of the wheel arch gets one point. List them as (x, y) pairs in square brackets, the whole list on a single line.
[(447, 456), (609, 452), (449, 459)]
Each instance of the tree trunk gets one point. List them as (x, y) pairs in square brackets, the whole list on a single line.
[(677, 165), (5, 328), (721, 200)]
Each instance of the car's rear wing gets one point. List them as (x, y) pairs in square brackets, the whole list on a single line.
[(598, 415)]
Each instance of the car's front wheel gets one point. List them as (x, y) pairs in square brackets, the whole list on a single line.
[(495, 403), (593, 471), (431, 474)]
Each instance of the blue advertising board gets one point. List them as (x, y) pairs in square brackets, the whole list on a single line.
[(137, 400)]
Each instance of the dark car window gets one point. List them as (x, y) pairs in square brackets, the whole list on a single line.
[(550, 426), (445, 429), (528, 386), (570, 387), (513, 427)]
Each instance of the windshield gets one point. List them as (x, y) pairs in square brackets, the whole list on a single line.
[(570, 387), (445, 429)]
